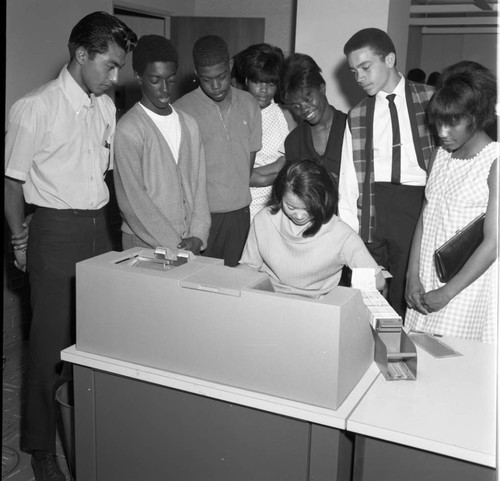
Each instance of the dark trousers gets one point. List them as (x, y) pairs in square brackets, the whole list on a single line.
[(227, 236), (397, 208), (58, 239)]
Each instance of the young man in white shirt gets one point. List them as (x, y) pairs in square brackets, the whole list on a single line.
[(384, 162), (58, 149)]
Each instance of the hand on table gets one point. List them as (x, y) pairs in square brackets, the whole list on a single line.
[(192, 244)]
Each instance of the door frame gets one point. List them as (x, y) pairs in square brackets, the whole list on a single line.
[(133, 7)]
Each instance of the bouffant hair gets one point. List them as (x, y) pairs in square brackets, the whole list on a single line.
[(468, 90)]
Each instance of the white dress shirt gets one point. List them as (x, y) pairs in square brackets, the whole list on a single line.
[(411, 172), (59, 143)]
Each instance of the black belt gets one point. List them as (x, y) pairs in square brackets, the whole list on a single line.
[(74, 212), (399, 186)]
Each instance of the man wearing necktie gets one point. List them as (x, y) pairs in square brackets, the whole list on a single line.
[(385, 156)]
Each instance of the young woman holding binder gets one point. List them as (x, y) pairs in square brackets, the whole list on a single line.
[(462, 185)]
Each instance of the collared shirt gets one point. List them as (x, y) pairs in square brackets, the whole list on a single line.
[(228, 145), (59, 144), (411, 172)]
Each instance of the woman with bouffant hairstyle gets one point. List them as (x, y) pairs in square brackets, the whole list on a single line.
[(462, 185)]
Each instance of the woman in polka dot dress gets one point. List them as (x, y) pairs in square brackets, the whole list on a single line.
[(259, 67)]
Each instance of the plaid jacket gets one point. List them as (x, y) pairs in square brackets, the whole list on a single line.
[(360, 120)]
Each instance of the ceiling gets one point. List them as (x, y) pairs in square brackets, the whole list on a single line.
[(455, 16), (451, 2)]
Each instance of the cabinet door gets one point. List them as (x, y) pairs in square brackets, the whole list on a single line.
[(376, 460), (142, 431)]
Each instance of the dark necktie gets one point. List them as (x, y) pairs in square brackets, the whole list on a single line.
[(396, 142)]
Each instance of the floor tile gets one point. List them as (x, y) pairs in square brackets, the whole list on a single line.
[(16, 465)]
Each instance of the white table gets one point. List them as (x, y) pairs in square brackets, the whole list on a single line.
[(450, 410), (137, 422), (285, 407), (443, 423)]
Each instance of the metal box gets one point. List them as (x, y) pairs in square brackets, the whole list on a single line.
[(223, 324)]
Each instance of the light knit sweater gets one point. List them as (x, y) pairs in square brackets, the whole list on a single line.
[(308, 266), (161, 201)]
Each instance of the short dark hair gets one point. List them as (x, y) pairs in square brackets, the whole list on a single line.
[(300, 72), (210, 50), (468, 90), (313, 185), (153, 48), (96, 31), (434, 79), (416, 75), (373, 38)]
